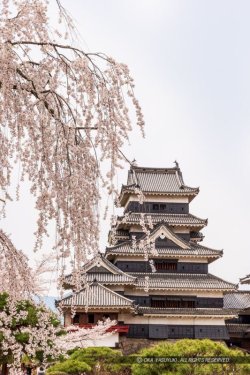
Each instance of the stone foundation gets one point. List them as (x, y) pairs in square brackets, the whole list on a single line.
[(131, 345)]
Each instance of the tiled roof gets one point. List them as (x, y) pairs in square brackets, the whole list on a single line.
[(96, 295), (100, 261), (170, 219), (238, 328), (104, 278), (182, 281), (161, 180), (245, 280), (184, 311), (238, 300), (122, 233), (103, 271), (196, 250)]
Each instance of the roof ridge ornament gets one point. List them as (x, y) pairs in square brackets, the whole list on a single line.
[(176, 164)]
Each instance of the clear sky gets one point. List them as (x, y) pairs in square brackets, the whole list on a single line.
[(191, 64)]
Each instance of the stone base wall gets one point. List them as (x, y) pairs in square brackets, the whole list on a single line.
[(131, 345)]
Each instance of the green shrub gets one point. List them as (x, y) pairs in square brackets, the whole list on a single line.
[(69, 366), (99, 359), (189, 348)]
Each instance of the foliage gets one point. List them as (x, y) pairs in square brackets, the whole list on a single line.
[(16, 275), (99, 359), (189, 348), (69, 366), (26, 328), (17, 278)]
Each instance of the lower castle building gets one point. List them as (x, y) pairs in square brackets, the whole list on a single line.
[(153, 278), (239, 327)]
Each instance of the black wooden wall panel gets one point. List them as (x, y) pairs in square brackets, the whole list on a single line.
[(158, 207), (141, 266), (162, 331), (158, 331), (180, 331), (211, 332), (200, 302), (138, 330)]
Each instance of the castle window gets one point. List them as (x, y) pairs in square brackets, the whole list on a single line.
[(155, 207), (163, 207), (91, 318), (166, 266), (158, 302), (76, 319)]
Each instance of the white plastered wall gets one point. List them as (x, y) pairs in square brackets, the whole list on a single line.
[(129, 319)]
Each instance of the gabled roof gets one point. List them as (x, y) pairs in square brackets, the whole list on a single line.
[(95, 270), (182, 248), (96, 295), (165, 180), (100, 261), (239, 300), (181, 281), (186, 220), (162, 229), (195, 250)]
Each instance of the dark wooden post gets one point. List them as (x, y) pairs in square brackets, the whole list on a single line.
[(5, 369)]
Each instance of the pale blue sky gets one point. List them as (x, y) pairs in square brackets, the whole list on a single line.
[(191, 64)]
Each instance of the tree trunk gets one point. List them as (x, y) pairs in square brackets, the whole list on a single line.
[(5, 369)]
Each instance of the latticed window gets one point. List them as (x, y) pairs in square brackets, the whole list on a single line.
[(168, 266), (172, 303), (158, 303)]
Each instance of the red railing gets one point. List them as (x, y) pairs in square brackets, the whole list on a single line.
[(117, 328)]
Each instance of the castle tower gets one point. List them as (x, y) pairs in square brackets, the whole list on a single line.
[(155, 266)]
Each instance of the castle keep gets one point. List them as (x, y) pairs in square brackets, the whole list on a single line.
[(153, 278)]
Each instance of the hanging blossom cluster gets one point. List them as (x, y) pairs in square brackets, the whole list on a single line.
[(63, 112), (145, 244), (17, 278)]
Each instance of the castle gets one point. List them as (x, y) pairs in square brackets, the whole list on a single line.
[(153, 278)]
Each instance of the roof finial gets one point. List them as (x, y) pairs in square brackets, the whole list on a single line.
[(134, 163), (176, 164)]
